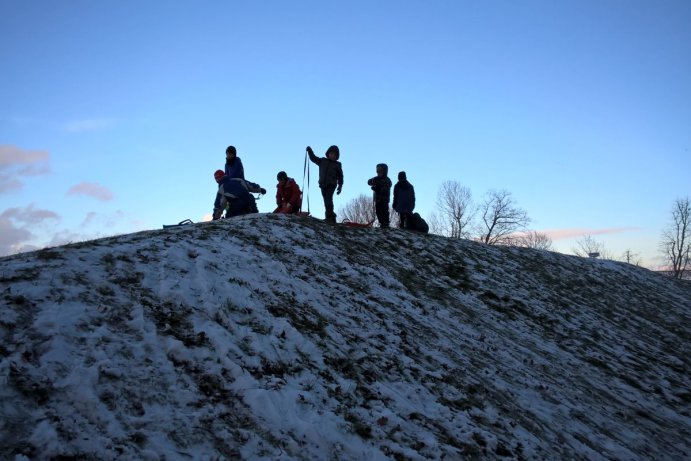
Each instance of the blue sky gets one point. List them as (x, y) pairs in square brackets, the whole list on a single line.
[(114, 115)]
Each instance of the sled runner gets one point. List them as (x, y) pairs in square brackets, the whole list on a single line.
[(181, 223), (347, 223)]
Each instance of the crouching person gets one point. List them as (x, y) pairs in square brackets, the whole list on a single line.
[(234, 196), (288, 195), (414, 222)]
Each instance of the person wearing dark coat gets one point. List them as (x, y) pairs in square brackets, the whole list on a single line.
[(330, 178), (381, 185), (234, 168), (234, 196), (403, 198)]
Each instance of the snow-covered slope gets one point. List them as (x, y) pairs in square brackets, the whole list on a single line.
[(272, 337)]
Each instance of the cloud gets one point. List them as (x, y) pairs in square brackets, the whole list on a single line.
[(17, 163), (12, 235), (17, 225), (34, 170), (29, 215), (89, 218), (91, 189), (13, 155), (563, 234), (115, 219), (8, 183), (65, 237), (82, 125), (114, 223), (26, 229), (89, 124)]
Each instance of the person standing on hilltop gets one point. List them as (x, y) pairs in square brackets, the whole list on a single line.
[(234, 168), (330, 178), (403, 199), (381, 185)]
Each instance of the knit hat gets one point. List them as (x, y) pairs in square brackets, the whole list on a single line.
[(218, 174), (281, 176), (401, 176), (231, 149)]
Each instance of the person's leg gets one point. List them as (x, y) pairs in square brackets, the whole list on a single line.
[(382, 211), (252, 205), (328, 194), (235, 208)]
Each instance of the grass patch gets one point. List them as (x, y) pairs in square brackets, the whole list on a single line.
[(300, 318), (359, 426), (48, 255)]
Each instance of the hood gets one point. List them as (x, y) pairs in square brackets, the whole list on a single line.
[(333, 148)]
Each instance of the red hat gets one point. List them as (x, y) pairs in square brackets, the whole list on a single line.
[(218, 174)]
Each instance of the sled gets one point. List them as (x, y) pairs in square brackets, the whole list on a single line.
[(347, 223), (181, 223)]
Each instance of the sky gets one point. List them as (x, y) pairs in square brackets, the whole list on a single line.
[(114, 115)]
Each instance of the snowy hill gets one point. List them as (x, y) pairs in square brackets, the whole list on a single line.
[(281, 338)]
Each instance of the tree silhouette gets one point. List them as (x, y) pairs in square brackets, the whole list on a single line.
[(676, 239)]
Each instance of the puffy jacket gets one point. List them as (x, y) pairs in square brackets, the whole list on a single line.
[(403, 197), (234, 196), (330, 171), (381, 185), (234, 168), (289, 193)]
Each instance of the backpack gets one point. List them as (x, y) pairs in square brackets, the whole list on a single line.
[(416, 223)]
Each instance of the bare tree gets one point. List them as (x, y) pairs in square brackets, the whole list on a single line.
[(454, 204), (587, 246), (676, 239), (630, 257), (501, 218), (361, 210), (534, 239), (436, 224)]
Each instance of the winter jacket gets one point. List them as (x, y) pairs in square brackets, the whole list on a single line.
[(234, 196), (234, 168), (381, 185), (288, 193), (330, 171), (403, 197)]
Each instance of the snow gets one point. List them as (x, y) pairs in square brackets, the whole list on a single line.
[(276, 337)]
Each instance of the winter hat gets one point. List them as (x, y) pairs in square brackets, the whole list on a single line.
[(334, 149), (231, 149), (281, 176), (401, 176), (218, 174)]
